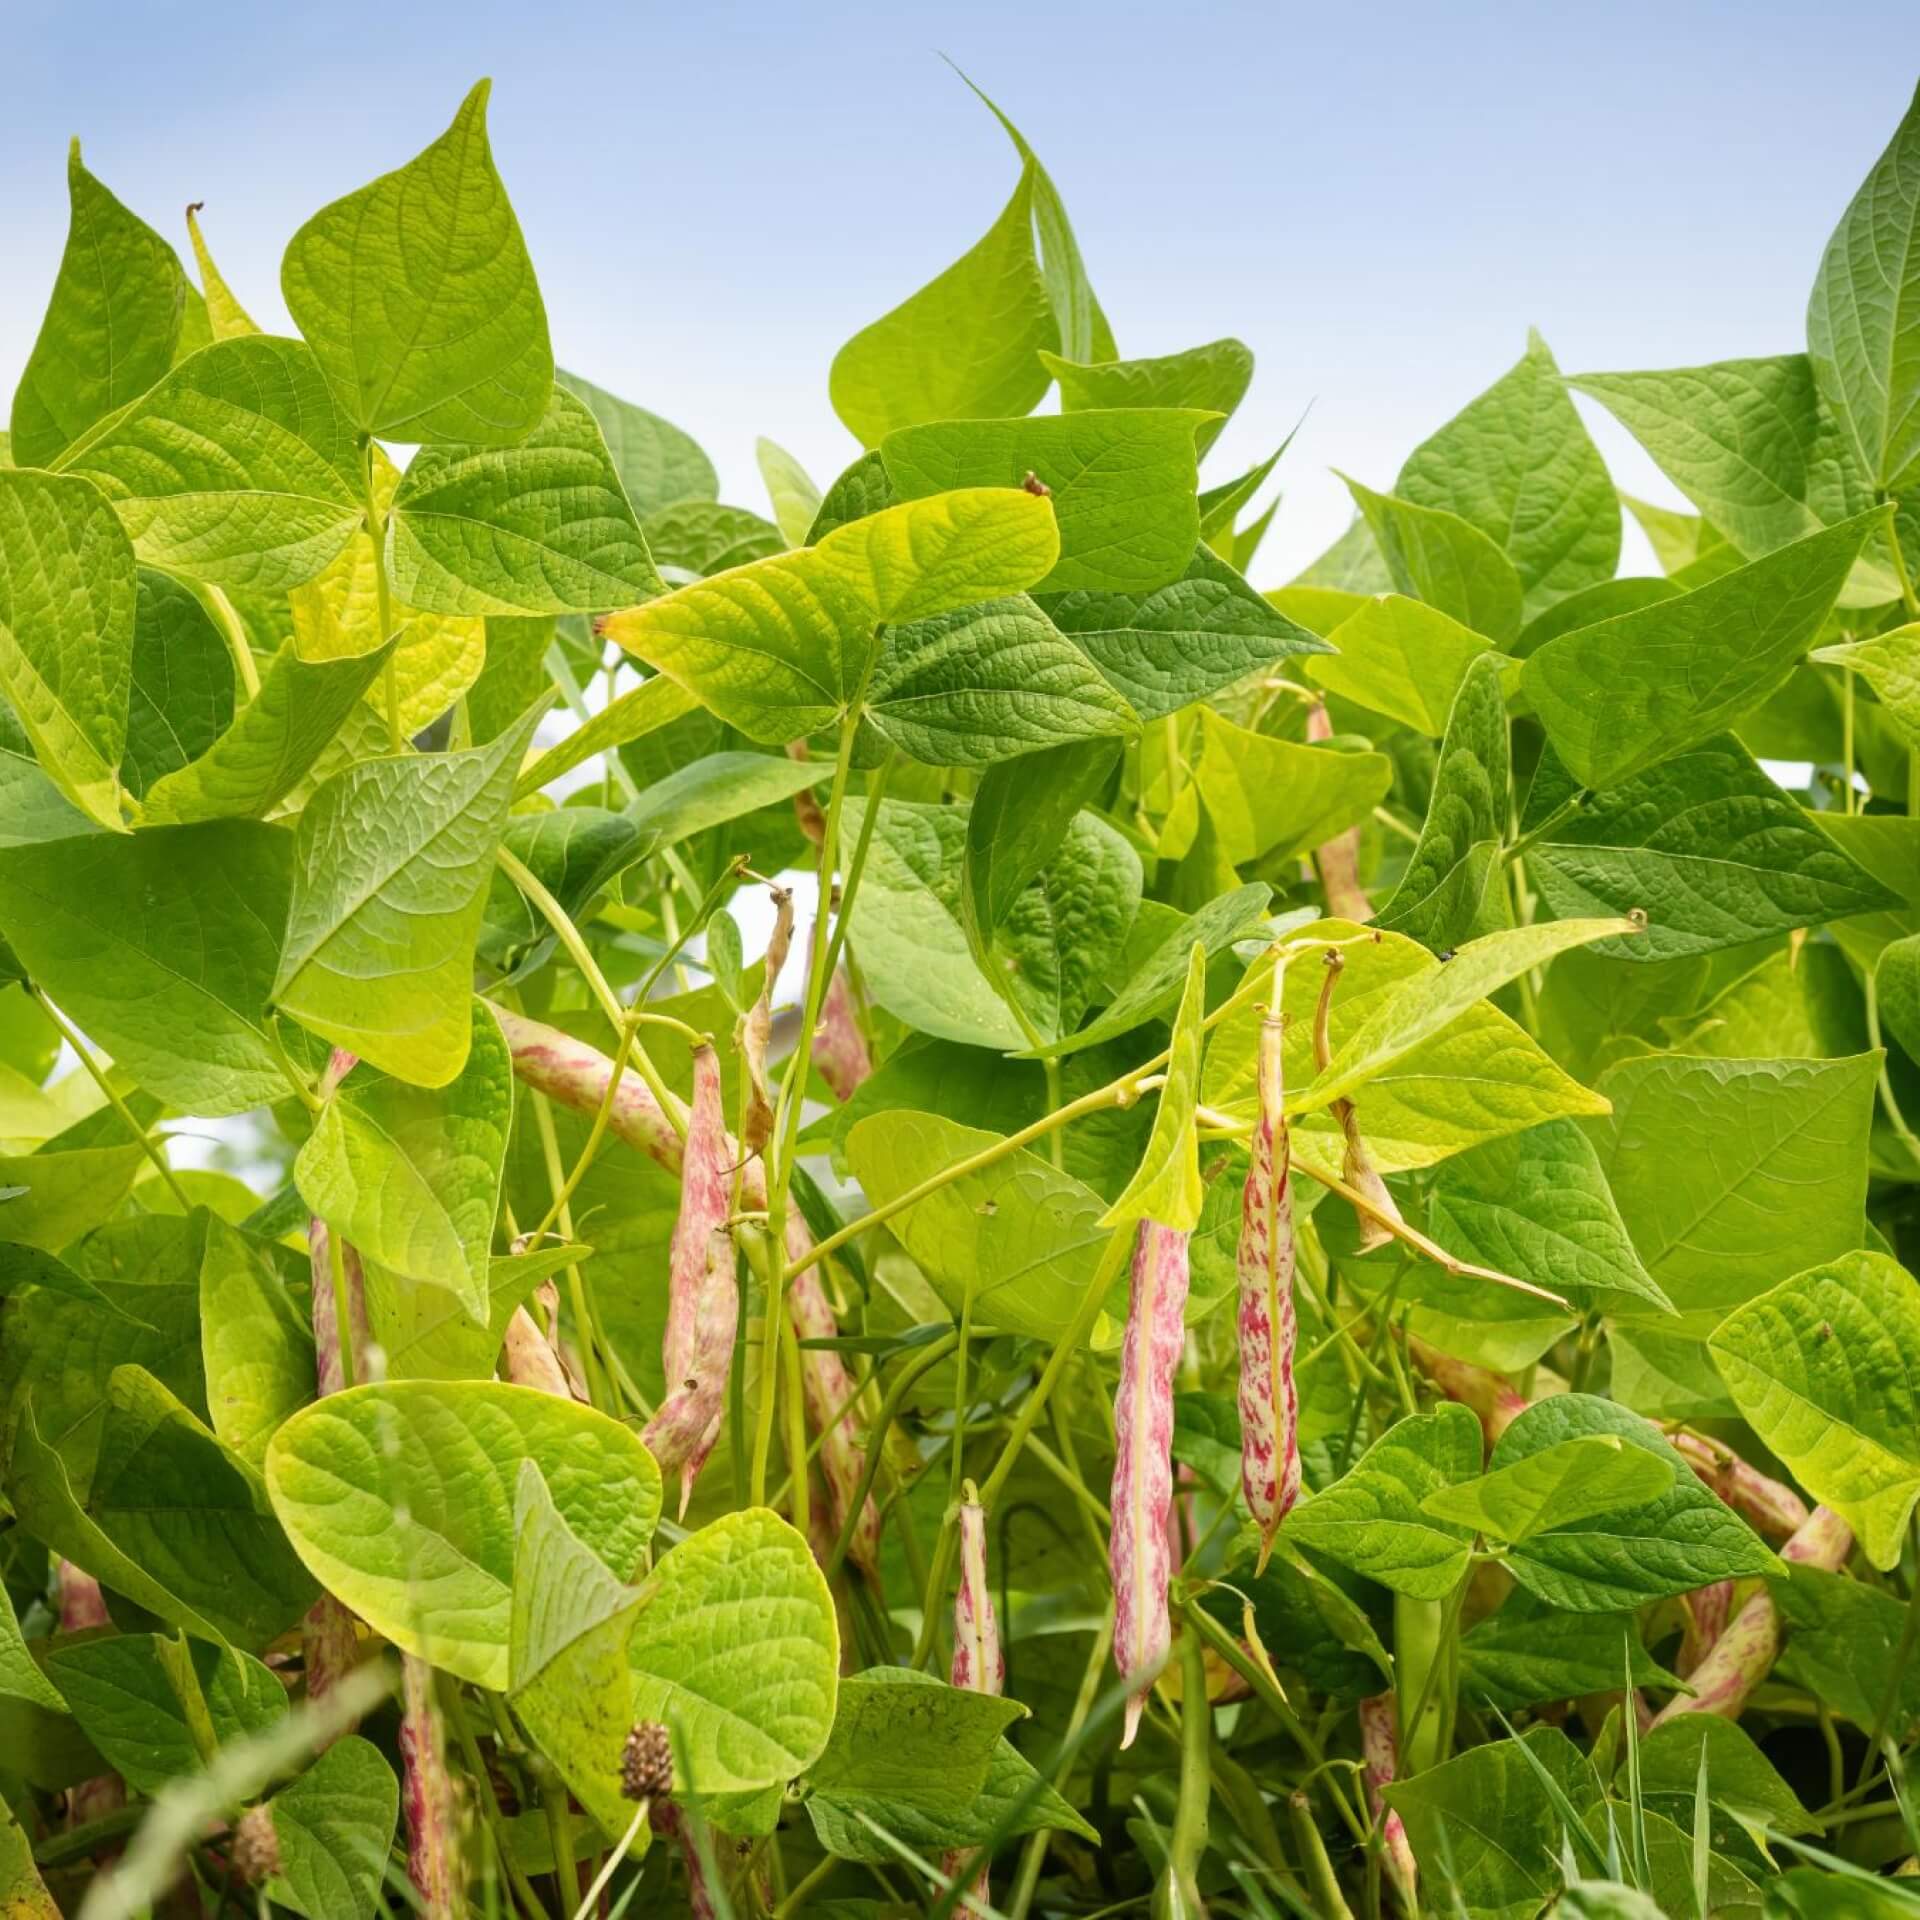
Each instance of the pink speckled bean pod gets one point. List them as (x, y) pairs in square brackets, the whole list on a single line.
[(576, 1074), (1772, 1510), (426, 1797), (696, 1352), (1380, 1749), (682, 1433), (528, 1359), (1743, 1655), (1140, 1551), (1269, 1401), (979, 1663), (840, 1049), (756, 1028), (82, 1607), (329, 1640)]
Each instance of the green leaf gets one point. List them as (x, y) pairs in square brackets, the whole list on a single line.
[(1373, 1518), (1156, 982), (985, 683), (1728, 1172), (912, 1756), (1818, 1367), (796, 500), (736, 1649), (1401, 658), (411, 1175), (162, 946), (425, 1332), (334, 1825), (1863, 319), (1164, 649), (391, 864), (1739, 1776), (1453, 887), (181, 699), (1705, 844), (56, 1195), (1436, 556), (1020, 1235), (67, 601), (1517, 464), (1585, 1478), (1084, 332), (1674, 1542), (417, 296), (1166, 1186), (1267, 798), (256, 1348), (907, 930), (1488, 1813), (966, 346), (1054, 946), (1021, 814), (1843, 1641), (783, 647), (236, 468), (272, 745), (719, 787), (1537, 1205), (1749, 443), (110, 326), (1213, 378), (654, 704), (1620, 696), (20, 1675), (658, 464), (400, 1498), (1526, 1652), (1432, 998), (540, 526), (1890, 664), (1122, 483), (575, 853), (171, 1519), (567, 1657), (694, 538), (127, 1704)]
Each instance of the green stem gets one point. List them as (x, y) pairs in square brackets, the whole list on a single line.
[(1189, 1840), (383, 602), (1573, 804), (97, 1074), (1119, 1093), (1028, 1878), (1315, 1868), (1888, 1099), (1903, 1655), (342, 1308), (902, 1385), (599, 1391), (233, 631), (797, 1456), (570, 937), (1112, 1259), (805, 1889)]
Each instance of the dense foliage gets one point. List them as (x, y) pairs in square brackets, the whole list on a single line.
[(1293, 1300)]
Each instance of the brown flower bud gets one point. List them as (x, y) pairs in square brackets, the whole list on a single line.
[(646, 1764), (256, 1847)]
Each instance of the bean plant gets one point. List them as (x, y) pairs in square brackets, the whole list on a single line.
[(919, 1207)]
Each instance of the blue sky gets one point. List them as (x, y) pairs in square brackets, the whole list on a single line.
[(1378, 200)]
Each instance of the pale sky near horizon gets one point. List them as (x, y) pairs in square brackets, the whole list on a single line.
[(1379, 202)]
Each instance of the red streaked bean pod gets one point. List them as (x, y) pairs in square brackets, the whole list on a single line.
[(755, 1032), (1356, 1166), (1269, 1401), (1140, 1550), (979, 1664), (1380, 1749), (426, 1798), (840, 1049), (682, 1433), (696, 1353)]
